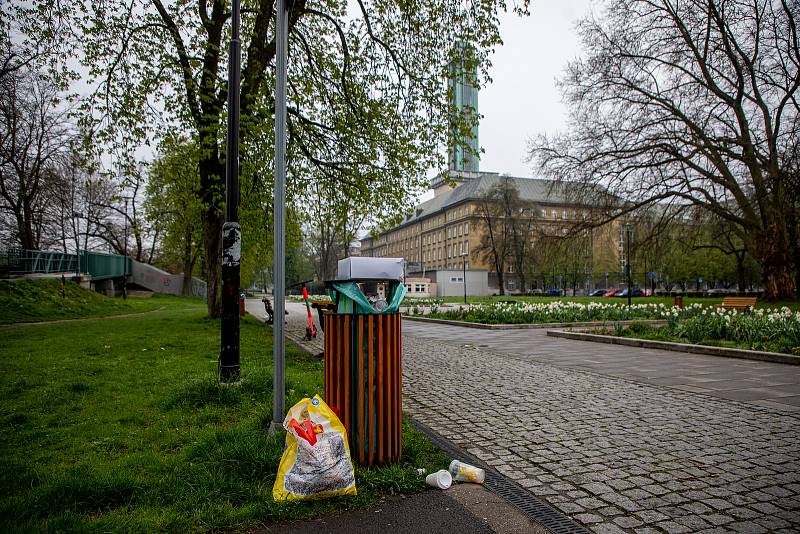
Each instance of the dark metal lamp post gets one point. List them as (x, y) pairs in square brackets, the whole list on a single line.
[(231, 232), (78, 244), (125, 257)]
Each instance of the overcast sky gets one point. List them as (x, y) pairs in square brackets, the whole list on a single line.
[(522, 100)]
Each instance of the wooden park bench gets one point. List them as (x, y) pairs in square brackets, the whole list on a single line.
[(738, 303)]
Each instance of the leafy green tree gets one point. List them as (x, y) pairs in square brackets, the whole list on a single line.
[(172, 200), (368, 110)]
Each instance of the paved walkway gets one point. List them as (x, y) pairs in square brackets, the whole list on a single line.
[(608, 434), (772, 385), (621, 439)]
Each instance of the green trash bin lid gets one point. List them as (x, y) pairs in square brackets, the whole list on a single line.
[(352, 299)]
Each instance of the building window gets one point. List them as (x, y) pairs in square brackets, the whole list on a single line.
[(466, 247), (466, 228), (449, 251), (448, 233), (563, 214), (456, 279), (421, 288)]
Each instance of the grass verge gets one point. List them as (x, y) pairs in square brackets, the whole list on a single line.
[(126, 429), (42, 300)]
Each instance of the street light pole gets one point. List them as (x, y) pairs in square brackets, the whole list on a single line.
[(231, 231), (464, 262), (279, 219), (78, 245), (628, 259), (125, 257)]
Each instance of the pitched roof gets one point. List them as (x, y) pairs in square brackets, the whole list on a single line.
[(536, 190)]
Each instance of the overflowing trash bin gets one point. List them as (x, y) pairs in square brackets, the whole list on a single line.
[(363, 356)]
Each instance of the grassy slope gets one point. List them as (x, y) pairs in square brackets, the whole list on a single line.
[(41, 300), (119, 425)]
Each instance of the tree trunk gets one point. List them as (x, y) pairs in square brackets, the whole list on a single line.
[(25, 225), (213, 187), (186, 289), (772, 252), (500, 281), (741, 282)]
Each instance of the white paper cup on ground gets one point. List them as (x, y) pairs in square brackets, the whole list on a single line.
[(440, 479), (462, 472)]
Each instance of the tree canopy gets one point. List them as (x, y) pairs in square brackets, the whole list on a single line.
[(368, 114), (693, 104)]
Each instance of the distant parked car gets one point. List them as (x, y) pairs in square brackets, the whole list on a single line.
[(612, 292), (719, 291), (554, 292), (598, 292), (635, 292)]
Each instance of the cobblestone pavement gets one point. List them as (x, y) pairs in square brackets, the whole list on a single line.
[(615, 453), (772, 385)]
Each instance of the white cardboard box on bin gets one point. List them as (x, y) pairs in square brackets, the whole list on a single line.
[(356, 267)]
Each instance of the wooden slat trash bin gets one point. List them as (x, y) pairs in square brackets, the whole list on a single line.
[(363, 365)]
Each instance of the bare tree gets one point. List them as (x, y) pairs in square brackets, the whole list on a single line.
[(691, 101), (506, 240), (35, 139)]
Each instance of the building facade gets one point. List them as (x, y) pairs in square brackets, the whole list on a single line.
[(445, 232)]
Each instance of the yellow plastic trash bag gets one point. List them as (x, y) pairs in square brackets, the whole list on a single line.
[(316, 462)]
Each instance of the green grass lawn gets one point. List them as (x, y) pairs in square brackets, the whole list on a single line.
[(119, 425), (41, 300)]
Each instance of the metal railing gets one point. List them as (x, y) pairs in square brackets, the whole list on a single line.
[(101, 266)]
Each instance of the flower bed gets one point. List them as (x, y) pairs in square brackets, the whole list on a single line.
[(770, 330), (765, 329), (551, 312)]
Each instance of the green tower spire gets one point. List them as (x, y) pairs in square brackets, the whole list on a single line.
[(462, 84)]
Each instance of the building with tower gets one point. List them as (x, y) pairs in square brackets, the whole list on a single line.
[(445, 237)]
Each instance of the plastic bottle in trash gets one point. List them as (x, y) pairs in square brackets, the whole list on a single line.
[(466, 473)]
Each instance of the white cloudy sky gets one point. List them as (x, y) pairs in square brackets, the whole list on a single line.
[(522, 100)]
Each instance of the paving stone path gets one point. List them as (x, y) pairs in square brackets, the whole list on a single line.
[(613, 454), (602, 444)]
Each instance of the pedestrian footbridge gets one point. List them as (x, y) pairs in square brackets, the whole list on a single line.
[(104, 270)]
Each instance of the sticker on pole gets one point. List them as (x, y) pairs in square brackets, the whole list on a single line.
[(231, 244), (316, 462)]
